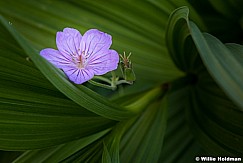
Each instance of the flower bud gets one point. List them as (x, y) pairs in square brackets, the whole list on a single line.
[(126, 68)]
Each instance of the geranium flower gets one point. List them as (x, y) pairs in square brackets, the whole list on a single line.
[(82, 57)]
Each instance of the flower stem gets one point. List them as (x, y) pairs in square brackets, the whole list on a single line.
[(123, 82), (111, 83), (114, 79), (102, 79), (101, 85)]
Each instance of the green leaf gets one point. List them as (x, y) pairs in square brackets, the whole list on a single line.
[(225, 65), (144, 139), (175, 42), (223, 136), (111, 152), (208, 107), (179, 144), (59, 153), (106, 158)]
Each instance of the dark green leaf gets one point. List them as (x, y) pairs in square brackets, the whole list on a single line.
[(224, 65), (207, 105), (59, 153)]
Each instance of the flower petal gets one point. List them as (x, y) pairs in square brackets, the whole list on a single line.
[(55, 57), (104, 62), (68, 41), (78, 76), (95, 41)]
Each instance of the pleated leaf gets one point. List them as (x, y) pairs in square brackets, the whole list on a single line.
[(179, 143), (208, 106), (143, 141), (59, 153), (225, 65)]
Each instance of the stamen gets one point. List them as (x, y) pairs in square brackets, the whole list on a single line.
[(80, 62)]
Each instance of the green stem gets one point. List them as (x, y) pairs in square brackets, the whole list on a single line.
[(102, 79), (101, 85), (114, 79), (122, 82), (111, 84)]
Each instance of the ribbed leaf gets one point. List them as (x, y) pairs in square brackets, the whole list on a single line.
[(34, 117), (144, 139), (224, 136), (179, 144), (59, 153), (106, 158), (111, 152), (209, 107), (224, 65), (111, 146)]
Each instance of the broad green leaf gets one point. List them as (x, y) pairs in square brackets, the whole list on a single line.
[(224, 65), (144, 139), (106, 158), (152, 121), (175, 41), (32, 123), (223, 137), (207, 105), (111, 146), (59, 153), (111, 152), (179, 144), (91, 153)]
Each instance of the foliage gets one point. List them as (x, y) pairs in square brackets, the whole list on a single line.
[(187, 99)]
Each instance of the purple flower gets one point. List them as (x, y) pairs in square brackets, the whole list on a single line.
[(82, 57)]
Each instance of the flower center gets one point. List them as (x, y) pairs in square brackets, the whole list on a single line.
[(79, 60), (80, 63)]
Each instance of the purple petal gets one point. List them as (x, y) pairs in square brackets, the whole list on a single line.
[(55, 57), (104, 62), (68, 41), (95, 41), (78, 76), (114, 60)]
